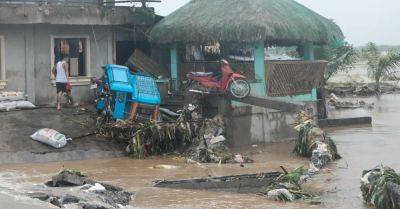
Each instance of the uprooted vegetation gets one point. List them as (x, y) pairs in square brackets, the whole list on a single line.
[(312, 142), (200, 140), (380, 187), (287, 187)]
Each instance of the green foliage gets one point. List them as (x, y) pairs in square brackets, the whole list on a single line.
[(306, 140), (376, 191), (289, 181), (380, 65), (340, 58)]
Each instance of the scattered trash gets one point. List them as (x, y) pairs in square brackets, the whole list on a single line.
[(380, 187), (50, 137)]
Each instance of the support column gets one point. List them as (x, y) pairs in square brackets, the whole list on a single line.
[(308, 54), (30, 63), (174, 68), (308, 51), (259, 69)]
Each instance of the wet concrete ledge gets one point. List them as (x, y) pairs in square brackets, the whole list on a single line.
[(339, 122)]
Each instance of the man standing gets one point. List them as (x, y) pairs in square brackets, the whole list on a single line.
[(62, 80)]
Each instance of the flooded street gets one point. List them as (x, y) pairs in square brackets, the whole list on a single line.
[(360, 147)]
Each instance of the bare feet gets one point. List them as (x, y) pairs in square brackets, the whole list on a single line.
[(58, 107)]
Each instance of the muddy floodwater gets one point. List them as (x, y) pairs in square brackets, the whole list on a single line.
[(338, 184)]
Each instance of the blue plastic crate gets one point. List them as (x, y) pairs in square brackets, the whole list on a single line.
[(119, 78), (145, 90)]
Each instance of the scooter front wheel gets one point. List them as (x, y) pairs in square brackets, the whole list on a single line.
[(239, 88)]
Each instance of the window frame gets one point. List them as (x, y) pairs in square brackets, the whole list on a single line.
[(3, 78), (79, 80)]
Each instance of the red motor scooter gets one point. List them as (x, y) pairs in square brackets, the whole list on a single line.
[(233, 83)]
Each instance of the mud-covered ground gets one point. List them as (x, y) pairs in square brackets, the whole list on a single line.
[(338, 185), (17, 126)]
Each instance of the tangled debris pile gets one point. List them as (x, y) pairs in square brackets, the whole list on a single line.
[(87, 193), (201, 140), (211, 145), (380, 187), (287, 187), (312, 142)]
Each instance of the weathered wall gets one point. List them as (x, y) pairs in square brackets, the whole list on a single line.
[(68, 14), (28, 50), (99, 56), (14, 41)]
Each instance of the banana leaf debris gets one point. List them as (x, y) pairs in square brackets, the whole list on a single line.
[(287, 187), (199, 139), (313, 142), (380, 187)]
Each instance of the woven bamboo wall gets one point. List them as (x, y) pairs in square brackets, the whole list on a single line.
[(288, 78)]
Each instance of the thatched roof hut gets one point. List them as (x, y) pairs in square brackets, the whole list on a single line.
[(277, 22)]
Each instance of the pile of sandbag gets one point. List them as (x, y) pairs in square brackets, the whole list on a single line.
[(380, 187), (14, 100)]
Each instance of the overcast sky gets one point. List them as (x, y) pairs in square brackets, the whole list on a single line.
[(361, 20)]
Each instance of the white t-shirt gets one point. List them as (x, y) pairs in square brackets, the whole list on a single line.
[(61, 77)]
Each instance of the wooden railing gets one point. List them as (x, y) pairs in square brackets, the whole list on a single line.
[(283, 77)]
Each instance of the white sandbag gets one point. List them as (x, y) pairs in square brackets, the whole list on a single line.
[(50, 137), (12, 96), (8, 106), (25, 105), (2, 107)]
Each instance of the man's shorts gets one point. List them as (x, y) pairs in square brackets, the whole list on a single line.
[(61, 87)]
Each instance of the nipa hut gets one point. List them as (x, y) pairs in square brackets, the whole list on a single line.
[(254, 23)]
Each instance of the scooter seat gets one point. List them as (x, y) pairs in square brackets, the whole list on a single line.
[(201, 74)]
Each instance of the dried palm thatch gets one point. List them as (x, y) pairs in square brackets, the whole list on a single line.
[(278, 22)]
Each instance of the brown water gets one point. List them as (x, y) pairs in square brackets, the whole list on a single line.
[(360, 147)]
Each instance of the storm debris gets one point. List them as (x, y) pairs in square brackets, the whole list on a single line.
[(312, 142), (91, 194), (287, 187), (380, 187)]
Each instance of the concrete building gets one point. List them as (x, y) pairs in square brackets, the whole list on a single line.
[(35, 34)]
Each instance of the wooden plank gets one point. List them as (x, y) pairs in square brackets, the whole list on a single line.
[(246, 183), (323, 123), (271, 103)]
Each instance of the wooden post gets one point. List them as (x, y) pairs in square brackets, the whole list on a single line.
[(155, 114), (134, 109), (259, 69), (174, 68)]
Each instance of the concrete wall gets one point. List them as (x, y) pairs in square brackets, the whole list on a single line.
[(28, 48), (254, 125), (14, 41)]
